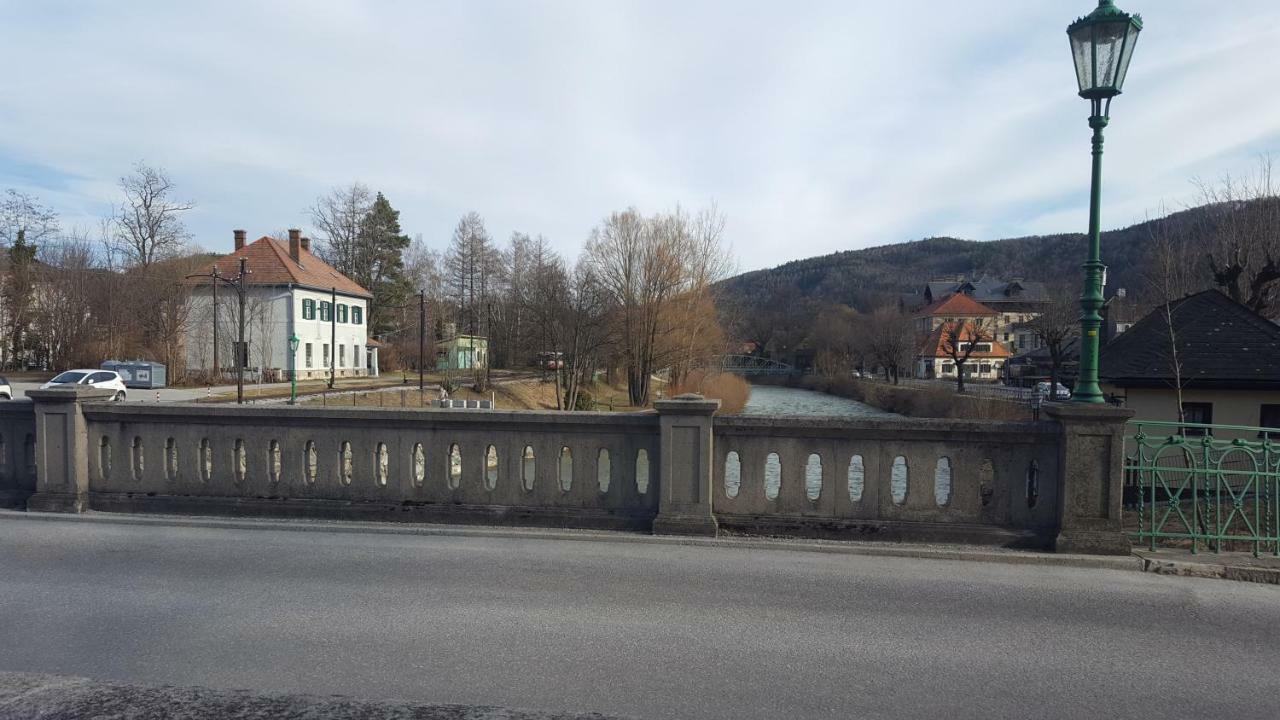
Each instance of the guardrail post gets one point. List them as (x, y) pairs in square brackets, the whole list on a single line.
[(62, 449), (1091, 493), (685, 463)]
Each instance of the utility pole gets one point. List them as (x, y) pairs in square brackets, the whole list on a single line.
[(333, 335), (237, 283), (242, 351), (422, 338)]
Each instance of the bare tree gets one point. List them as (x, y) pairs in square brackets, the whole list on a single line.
[(148, 224), (23, 213), (1243, 235), (471, 269), (63, 319), (961, 339), (1169, 279), (1055, 326), (339, 219), (891, 341)]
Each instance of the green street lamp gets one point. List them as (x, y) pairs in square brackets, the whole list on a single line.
[(1102, 45), (293, 374)]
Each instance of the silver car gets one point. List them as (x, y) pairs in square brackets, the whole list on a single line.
[(6, 391)]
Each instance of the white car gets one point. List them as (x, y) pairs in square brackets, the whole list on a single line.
[(102, 379), (6, 391)]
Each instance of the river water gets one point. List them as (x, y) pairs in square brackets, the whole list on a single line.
[(774, 400)]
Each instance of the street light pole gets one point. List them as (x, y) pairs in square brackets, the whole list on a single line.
[(242, 351), (294, 340), (1102, 44), (422, 338)]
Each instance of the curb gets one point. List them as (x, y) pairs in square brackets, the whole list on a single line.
[(1240, 573), (867, 549)]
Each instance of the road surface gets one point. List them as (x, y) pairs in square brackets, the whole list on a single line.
[(175, 394), (647, 630)]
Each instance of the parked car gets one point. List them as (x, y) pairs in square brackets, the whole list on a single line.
[(102, 379), (1042, 389), (6, 391)]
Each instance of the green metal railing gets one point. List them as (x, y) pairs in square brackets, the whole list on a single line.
[(1214, 487)]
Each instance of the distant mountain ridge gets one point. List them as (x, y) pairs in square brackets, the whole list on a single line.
[(871, 277)]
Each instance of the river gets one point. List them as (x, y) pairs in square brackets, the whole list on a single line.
[(774, 400)]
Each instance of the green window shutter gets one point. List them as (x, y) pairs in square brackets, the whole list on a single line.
[(342, 312), (308, 309), (357, 315)]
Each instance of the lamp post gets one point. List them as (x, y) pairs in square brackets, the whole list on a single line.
[(1102, 45), (293, 374)]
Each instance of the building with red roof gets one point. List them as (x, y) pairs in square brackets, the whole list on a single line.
[(288, 291)]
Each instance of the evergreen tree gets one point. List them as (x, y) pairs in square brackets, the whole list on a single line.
[(379, 265)]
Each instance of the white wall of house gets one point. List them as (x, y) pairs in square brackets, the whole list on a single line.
[(1228, 407), (945, 367), (272, 314)]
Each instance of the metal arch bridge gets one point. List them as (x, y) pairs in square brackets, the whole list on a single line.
[(748, 365)]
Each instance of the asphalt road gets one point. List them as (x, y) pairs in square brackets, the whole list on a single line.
[(180, 394), (635, 629)]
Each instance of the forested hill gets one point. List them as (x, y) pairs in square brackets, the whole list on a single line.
[(865, 279)]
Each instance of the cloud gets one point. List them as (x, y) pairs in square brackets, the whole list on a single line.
[(816, 127)]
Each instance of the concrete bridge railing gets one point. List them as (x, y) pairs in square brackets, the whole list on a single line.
[(680, 470)]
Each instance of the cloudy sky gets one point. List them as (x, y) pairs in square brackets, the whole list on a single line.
[(815, 126)]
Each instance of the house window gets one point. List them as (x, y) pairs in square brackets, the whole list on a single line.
[(1269, 417), (326, 311), (326, 354), (357, 315), (948, 368), (1200, 413), (342, 356), (342, 312), (984, 368), (308, 354), (308, 309), (356, 357)]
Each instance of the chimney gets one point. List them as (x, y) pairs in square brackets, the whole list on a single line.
[(306, 244), (239, 239), (295, 241)]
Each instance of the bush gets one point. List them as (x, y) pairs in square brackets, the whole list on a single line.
[(731, 390)]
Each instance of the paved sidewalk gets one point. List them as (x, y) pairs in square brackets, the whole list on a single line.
[(1226, 566)]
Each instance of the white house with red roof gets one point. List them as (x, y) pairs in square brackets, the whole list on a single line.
[(288, 291)]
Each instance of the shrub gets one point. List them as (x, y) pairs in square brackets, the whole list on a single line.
[(731, 390)]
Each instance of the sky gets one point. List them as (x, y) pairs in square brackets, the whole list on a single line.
[(813, 126)]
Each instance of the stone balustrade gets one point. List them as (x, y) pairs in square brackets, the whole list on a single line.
[(680, 469), (17, 452)]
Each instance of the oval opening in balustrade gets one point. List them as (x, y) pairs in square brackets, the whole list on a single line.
[(311, 462), (344, 459), (242, 461), (813, 477), (986, 481), (491, 468), (898, 479), (857, 478), (642, 471), (603, 470), (206, 460), (528, 467), (104, 457), (138, 462), (732, 474), (273, 461), (419, 465), (455, 466), (171, 459), (566, 469), (772, 476), (942, 482), (1033, 483), (381, 461)]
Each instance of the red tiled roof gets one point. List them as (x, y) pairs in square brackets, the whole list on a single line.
[(268, 262), (958, 305), (936, 344)]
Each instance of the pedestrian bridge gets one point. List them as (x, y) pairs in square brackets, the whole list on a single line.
[(749, 365)]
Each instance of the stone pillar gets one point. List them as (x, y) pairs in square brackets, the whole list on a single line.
[(1091, 463), (685, 466), (62, 448)]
